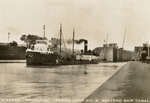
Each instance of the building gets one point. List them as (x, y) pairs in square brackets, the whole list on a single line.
[(138, 50)]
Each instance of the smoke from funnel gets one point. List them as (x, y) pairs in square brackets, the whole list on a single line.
[(77, 41), (81, 41)]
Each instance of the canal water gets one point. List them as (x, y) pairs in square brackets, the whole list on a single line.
[(52, 84)]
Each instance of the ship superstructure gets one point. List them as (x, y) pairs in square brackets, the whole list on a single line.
[(41, 54)]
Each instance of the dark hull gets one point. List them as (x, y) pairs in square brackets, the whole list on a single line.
[(37, 58), (12, 52)]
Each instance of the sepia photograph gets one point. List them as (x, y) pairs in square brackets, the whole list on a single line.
[(74, 51)]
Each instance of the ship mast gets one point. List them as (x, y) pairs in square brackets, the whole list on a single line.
[(60, 36), (123, 44), (44, 30), (124, 38), (106, 43), (73, 41), (107, 39)]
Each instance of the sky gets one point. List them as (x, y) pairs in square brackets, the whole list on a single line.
[(92, 20)]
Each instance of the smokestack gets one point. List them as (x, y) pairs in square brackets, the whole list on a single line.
[(79, 42), (85, 46)]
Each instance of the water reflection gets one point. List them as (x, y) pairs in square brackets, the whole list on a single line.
[(52, 83)]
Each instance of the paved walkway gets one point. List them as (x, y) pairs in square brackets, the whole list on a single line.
[(131, 84)]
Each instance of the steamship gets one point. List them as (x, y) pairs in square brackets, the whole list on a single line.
[(44, 53)]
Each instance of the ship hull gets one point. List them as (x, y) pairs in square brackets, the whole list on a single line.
[(37, 58)]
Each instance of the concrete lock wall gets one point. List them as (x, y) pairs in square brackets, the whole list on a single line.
[(106, 54), (124, 55), (114, 55), (110, 54)]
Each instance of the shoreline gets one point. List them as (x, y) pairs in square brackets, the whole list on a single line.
[(12, 61)]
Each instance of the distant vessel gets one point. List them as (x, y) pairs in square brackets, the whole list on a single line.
[(43, 53), (12, 51)]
